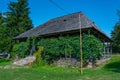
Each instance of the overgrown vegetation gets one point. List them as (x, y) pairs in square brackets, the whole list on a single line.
[(65, 46), (21, 49), (69, 46), (38, 62)]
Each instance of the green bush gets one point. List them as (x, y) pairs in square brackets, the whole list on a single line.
[(21, 49), (92, 47), (4, 60), (69, 46), (65, 46), (37, 54)]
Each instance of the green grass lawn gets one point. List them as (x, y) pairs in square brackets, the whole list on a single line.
[(5, 63), (110, 71)]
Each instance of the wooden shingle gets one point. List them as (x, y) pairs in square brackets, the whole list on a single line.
[(67, 23)]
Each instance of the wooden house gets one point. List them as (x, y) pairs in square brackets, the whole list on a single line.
[(69, 24)]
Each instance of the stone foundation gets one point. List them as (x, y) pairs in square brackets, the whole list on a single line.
[(69, 62), (72, 62)]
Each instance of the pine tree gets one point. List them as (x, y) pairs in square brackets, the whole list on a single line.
[(1, 19), (18, 20), (18, 17), (3, 34), (1, 31), (116, 36), (23, 12)]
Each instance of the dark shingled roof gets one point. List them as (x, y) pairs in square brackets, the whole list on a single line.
[(67, 23)]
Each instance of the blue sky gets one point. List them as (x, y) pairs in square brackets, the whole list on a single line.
[(102, 12)]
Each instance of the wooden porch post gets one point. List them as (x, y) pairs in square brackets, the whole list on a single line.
[(104, 49), (110, 49)]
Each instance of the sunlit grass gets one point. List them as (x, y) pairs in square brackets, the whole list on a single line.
[(5, 63), (110, 71)]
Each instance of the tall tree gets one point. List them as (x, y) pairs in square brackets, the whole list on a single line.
[(4, 35), (18, 17), (18, 20), (2, 31), (25, 22), (116, 35), (1, 19)]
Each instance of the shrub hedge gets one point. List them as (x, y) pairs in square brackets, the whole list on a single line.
[(65, 46), (69, 46)]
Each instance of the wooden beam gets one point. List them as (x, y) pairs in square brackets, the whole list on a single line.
[(81, 54)]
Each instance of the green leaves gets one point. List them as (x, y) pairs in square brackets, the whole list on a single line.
[(116, 35), (3, 34), (18, 17), (65, 46), (116, 38), (21, 49), (92, 47), (15, 22), (69, 46)]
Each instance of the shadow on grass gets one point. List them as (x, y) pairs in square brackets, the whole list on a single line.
[(113, 66)]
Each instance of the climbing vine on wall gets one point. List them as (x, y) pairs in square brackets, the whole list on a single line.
[(65, 46), (69, 46)]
